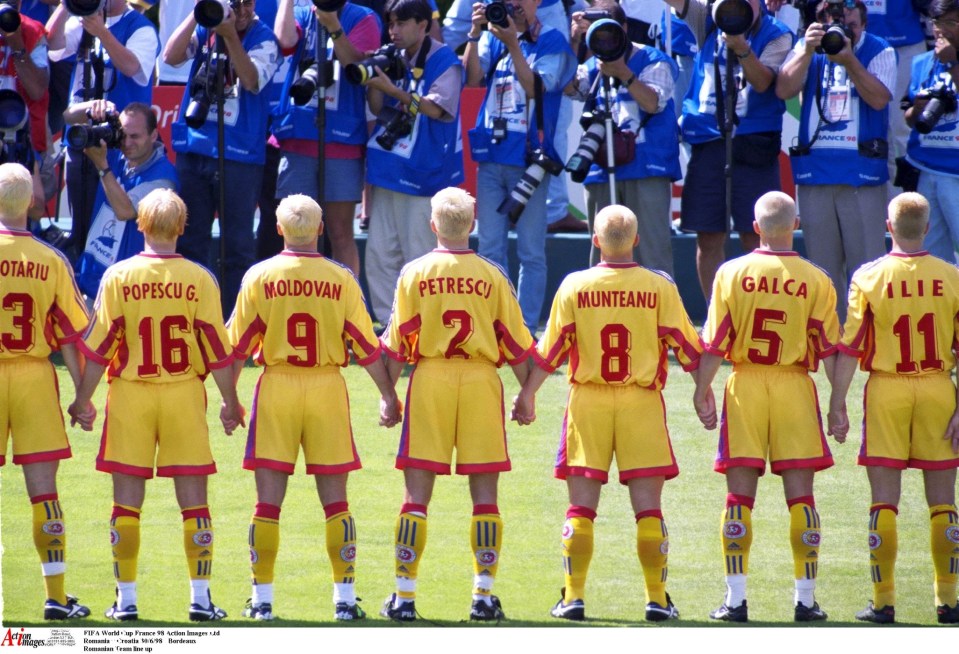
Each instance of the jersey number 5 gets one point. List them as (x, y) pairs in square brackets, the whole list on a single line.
[(762, 333)]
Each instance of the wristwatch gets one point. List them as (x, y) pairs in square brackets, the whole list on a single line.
[(19, 55), (336, 34), (103, 172)]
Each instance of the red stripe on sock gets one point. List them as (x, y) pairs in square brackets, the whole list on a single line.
[(122, 512), (333, 508), (199, 512), (413, 508), (732, 499), (880, 507), (805, 499), (485, 509), (576, 511), (652, 513), (266, 510), (50, 497)]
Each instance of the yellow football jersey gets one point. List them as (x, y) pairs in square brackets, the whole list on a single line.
[(40, 304), (302, 309), (454, 304), (772, 308), (616, 323), (903, 315), (158, 319)]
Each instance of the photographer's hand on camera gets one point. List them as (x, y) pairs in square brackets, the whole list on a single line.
[(97, 154), (756, 73), (945, 51), (34, 79)]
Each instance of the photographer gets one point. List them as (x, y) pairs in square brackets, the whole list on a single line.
[(252, 55), (351, 32), (130, 165), (642, 109), (509, 137), (119, 69), (839, 163), (415, 149), (25, 69), (758, 53), (934, 141)]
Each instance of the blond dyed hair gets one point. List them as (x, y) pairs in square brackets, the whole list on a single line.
[(452, 213), (776, 214), (300, 218), (908, 216), (615, 227), (161, 215), (16, 190)]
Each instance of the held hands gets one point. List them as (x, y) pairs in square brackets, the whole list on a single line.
[(705, 403), (524, 409), (232, 415), (82, 415), (952, 432), (391, 411), (838, 423)]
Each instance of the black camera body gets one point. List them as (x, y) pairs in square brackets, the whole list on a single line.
[(942, 100), (201, 97), (593, 15), (733, 17), (498, 12), (538, 164), (304, 88), (396, 125), (109, 131), (834, 40), (594, 136), (329, 5), (607, 40), (9, 17), (390, 60)]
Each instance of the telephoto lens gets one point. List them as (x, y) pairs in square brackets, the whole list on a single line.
[(210, 13), (733, 17), (593, 138), (498, 12), (9, 18)]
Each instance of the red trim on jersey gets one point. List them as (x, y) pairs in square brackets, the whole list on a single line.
[(722, 331), (360, 341), (42, 457), (291, 253), (687, 348), (338, 469), (404, 462), (556, 353), (882, 462), (577, 511), (477, 468), (158, 255), (252, 463), (776, 253), (410, 326), (180, 471), (540, 361), (244, 345), (11, 231), (907, 255), (724, 464), (335, 508), (669, 472), (70, 332), (562, 471), (3, 459), (518, 352), (224, 355), (48, 497), (448, 251), (396, 356), (98, 354), (112, 466), (817, 463), (196, 512), (608, 264)]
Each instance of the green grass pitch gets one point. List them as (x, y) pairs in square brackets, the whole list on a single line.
[(533, 505)]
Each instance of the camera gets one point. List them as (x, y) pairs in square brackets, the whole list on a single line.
[(82, 8), (834, 40), (733, 17), (497, 12), (594, 135), (9, 18), (304, 88), (201, 97), (329, 5), (593, 15), (210, 13), (13, 113), (89, 136), (607, 39), (396, 124), (390, 60), (540, 164), (942, 100)]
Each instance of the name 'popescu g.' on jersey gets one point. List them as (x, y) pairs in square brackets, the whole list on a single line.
[(611, 319), (158, 320)]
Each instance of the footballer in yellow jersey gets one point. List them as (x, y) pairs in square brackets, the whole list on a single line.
[(299, 314), (42, 311), (158, 327), (616, 322), (773, 315), (902, 328), (456, 318)]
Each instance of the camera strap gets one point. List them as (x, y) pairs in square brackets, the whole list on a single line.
[(417, 74)]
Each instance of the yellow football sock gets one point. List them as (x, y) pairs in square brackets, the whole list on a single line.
[(804, 536), (883, 548), (486, 538), (125, 542), (410, 544), (264, 542), (736, 530), (50, 540), (341, 541), (198, 541), (577, 551), (944, 543), (652, 545)]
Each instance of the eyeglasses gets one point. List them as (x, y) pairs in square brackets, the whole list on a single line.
[(948, 23), (241, 3)]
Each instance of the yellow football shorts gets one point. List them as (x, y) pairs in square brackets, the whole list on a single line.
[(30, 410), (162, 422), (771, 412), (627, 421), (905, 421), (294, 407), (454, 404)]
